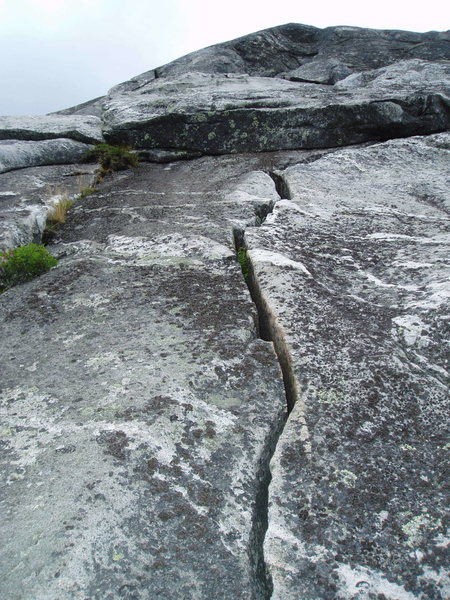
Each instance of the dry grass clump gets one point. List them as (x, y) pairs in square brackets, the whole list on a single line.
[(55, 218), (57, 215)]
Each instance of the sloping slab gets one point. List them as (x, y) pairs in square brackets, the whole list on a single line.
[(138, 405), (281, 51), (217, 114), (354, 268), (81, 128), (17, 154)]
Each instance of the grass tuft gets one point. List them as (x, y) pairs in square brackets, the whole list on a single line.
[(24, 263)]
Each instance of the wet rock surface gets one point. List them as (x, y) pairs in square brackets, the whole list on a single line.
[(354, 269)]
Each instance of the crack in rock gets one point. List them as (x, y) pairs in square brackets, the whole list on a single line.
[(269, 329)]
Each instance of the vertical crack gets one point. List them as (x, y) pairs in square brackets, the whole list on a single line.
[(268, 330)]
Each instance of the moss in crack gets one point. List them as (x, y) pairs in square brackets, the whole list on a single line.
[(242, 258)]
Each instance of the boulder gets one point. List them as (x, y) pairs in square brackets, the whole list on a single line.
[(17, 154), (216, 114), (350, 272), (81, 128)]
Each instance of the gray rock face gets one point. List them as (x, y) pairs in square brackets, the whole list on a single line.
[(134, 467), (345, 85), (91, 107), (26, 197), (280, 51), (81, 128), (239, 113), (353, 268), (143, 395), (17, 154)]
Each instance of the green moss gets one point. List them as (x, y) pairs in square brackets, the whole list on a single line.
[(24, 263), (242, 259)]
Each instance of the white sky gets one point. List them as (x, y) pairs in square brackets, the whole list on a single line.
[(58, 53)]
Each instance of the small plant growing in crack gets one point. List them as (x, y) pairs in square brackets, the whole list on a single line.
[(242, 258), (55, 218), (86, 191), (24, 263)]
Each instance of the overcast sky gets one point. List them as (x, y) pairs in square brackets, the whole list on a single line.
[(58, 53)]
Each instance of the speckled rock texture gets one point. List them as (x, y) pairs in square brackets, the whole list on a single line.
[(144, 395), (353, 266), (27, 195), (229, 113), (18, 154), (139, 407), (288, 87)]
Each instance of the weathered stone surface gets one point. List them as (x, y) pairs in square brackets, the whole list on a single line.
[(353, 270), (136, 428), (140, 405), (327, 71), (82, 128), (218, 114), (91, 107), (279, 51), (27, 195), (18, 154)]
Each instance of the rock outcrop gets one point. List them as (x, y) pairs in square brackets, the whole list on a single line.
[(85, 129), (174, 429), (220, 114), (26, 196), (18, 154)]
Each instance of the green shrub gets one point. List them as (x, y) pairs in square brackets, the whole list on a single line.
[(112, 158), (24, 263)]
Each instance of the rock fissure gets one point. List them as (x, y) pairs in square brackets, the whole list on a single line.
[(281, 185), (268, 330)]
